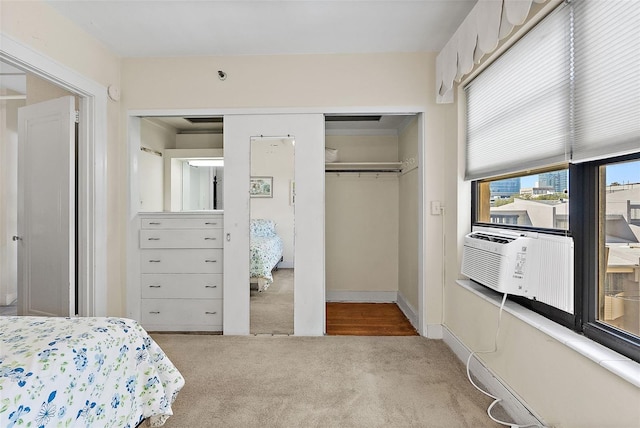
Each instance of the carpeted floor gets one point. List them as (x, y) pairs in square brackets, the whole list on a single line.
[(272, 309), (331, 381)]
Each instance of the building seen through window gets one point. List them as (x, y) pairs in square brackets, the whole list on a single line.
[(619, 246), (538, 200)]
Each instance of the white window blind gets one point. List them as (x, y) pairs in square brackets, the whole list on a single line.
[(568, 91), (607, 78), (518, 107)]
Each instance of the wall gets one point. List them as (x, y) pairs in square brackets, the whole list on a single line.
[(408, 278), (361, 240), (37, 25)]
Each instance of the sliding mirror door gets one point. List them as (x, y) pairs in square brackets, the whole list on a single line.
[(272, 214)]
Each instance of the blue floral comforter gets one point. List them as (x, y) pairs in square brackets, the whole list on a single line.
[(266, 249), (82, 372)]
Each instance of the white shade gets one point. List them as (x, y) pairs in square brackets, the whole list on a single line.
[(518, 108), (607, 78)]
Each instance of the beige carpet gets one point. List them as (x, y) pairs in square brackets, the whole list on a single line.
[(272, 309), (331, 381)]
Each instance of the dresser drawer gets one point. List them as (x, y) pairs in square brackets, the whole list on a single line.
[(180, 238), (181, 285), (182, 223), (181, 261), (182, 314)]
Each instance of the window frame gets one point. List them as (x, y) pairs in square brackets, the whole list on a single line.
[(583, 228), (609, 336)]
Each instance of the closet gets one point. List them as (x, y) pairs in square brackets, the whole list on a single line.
[(371, 212)]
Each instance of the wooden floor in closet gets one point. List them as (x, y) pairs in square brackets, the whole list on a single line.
[(367, 319)]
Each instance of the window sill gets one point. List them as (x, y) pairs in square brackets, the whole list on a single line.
[(616, 363)]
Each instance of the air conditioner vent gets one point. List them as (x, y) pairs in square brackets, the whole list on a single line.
[(491, 238)]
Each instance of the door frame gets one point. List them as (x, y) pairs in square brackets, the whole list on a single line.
[(92, 168), (133, 137)]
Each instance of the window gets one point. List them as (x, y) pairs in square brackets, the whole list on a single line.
[(618, 292), (554, 120), (539, 201)]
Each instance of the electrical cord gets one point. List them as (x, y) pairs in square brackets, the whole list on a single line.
[(496, 400)]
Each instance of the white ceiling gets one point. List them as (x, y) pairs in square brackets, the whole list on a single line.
[(137, 28)]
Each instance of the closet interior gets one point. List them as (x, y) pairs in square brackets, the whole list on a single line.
[(371, 211)]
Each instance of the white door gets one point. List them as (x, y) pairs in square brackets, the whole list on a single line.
[(46, 208)]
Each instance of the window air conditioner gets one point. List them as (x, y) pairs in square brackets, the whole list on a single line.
[(531, 264)]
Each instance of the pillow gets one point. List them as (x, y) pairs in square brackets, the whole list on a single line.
[(262, 227), (330, 155)]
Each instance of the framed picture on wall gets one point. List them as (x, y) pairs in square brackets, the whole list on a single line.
[(261, 187)]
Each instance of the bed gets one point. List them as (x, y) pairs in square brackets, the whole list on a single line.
[(83, 372), (266, 252)]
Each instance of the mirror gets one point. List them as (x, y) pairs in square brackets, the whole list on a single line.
[(272, 206), (202, 184)]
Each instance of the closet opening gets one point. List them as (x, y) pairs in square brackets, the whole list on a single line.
[(371, 224)]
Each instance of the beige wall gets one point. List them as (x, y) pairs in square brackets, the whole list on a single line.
[(361, 235), (408, 217)]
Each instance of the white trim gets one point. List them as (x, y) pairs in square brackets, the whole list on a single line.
[(434, 331), (362, 296), (408, 310), (92, 167), (511, 403), (422, 226)]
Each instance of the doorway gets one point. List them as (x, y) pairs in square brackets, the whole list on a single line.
[(92, 185), (39, 187), (372, 223)]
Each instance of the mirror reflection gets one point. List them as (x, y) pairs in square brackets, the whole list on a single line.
[(202, 187), (272, 196), (180, 164)]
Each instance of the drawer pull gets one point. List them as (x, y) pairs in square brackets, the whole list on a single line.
[(210, 313), (210, 286), (210, 261), (154, 261), (210, 223), (210, 239), (153, 239), (155, 286), (154, 312), (155, 223)]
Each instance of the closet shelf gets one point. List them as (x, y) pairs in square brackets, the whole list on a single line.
[(363, 166)]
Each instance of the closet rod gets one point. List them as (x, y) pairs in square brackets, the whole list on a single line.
[(377, 171)]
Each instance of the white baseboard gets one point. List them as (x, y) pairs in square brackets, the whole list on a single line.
[(8, 299), (511, 403), (434, 331), (362, 296), (408, 310)]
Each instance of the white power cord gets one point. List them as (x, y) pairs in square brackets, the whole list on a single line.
[(496, 400)]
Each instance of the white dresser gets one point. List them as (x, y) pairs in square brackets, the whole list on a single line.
[(181, 271)]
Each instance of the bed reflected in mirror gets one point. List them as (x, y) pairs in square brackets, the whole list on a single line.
[(272, 203)]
